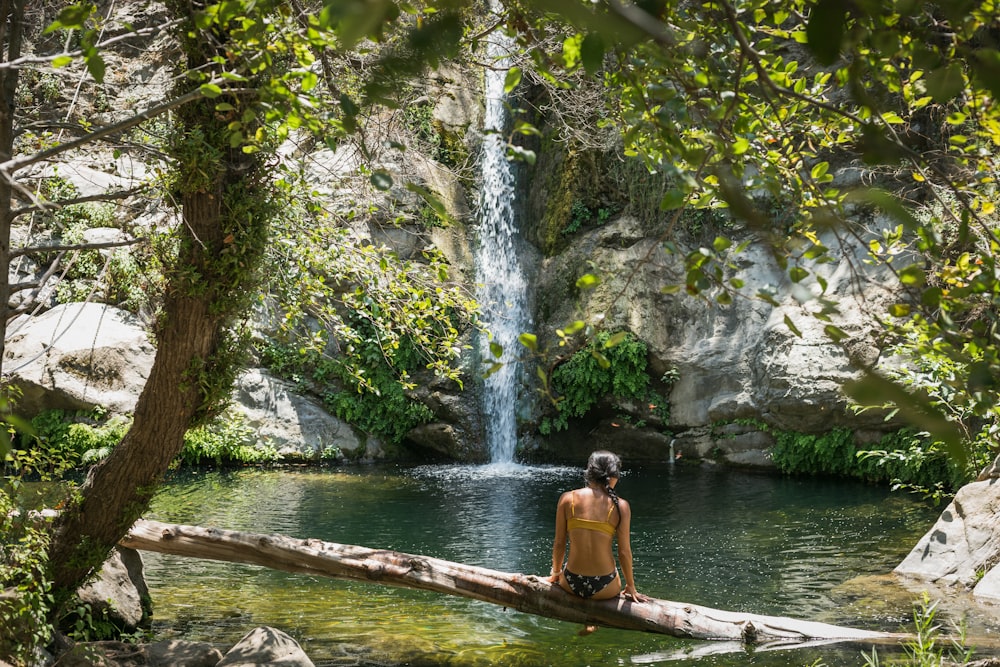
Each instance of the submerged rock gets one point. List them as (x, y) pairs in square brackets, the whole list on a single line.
[(119, 591), (266, 646)]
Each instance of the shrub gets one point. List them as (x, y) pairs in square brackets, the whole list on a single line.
[(227, 439), (24, 587), (599, 370)]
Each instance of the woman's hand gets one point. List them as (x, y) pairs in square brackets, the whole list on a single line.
[(635, 595), (553, 578)]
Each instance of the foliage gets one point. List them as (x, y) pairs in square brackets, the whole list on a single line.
[(905, 458), (925, 649), (226, 439), (582, 216), (334, 290), (62, 440), (610, 366), (380, 406), (24, 584)]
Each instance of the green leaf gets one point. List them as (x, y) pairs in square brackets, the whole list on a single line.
[(797, 274), (945, 83), (592, 52), (588, 281), (210, 90), (496, 349), (96, 66), (71, 18), (791, 326), (912, 275), (615, 339), (529, 340), (520, 154), (512, 79), (61, 61), (825, 30), (899, 309), (721, 244), (834, 333), (673, 199), (381, 180), (602, 361), (433, 201)]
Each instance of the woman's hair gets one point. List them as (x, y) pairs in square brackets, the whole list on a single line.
[(601, 467)]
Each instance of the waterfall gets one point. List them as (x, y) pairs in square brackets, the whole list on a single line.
[(503, 292)]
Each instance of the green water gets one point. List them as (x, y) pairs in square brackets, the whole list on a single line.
[(733, 540)]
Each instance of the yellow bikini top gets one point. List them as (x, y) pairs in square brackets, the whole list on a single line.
[(589, 524)]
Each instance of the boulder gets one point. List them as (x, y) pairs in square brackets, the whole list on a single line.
[(119, 593), (78, 356), (739, 361), (265, 646), (964, 545), (297, 426), (181, 653)]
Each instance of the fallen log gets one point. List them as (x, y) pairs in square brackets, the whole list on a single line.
[(526, 593)]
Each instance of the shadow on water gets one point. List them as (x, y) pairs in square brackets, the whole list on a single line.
[(720, 538)]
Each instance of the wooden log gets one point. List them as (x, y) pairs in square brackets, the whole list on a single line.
[(526, 593)]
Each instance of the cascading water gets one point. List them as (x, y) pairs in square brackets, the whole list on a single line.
[(503, 293)]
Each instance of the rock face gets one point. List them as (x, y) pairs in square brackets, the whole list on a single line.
[(735, 362), (964, 545), (297, 426)]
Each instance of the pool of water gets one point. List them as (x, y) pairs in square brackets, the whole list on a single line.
[(804, 548)]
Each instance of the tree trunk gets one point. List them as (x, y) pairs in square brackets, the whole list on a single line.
[(11, 33), (526, 593), (192, 371)]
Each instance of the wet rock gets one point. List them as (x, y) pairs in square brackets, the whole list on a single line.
[(266, 646)]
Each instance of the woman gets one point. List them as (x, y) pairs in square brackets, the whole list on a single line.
[(591, 518)]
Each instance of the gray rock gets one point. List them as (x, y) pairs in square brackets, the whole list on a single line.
[(180, 653), (265, 646), (119, 592), (78, 356), (297, 426), (964, 545)]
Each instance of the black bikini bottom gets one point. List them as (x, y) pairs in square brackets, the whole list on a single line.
[(588, 586)]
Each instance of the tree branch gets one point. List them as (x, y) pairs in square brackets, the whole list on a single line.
[(77, 246)]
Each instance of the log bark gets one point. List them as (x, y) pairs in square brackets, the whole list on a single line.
[(526, 593)]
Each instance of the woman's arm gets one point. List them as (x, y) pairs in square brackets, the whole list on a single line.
[(559, 543), (625, 551)]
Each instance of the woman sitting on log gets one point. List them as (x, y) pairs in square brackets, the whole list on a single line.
[(590, 518)]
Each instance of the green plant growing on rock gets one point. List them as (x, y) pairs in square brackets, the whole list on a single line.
[(610, 366)]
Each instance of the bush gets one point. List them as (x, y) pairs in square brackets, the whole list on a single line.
[(227, 439), (64, 440), (24, 587), (599, 370), (903, 458)]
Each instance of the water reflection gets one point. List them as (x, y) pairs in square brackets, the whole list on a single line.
[(719, 538)]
